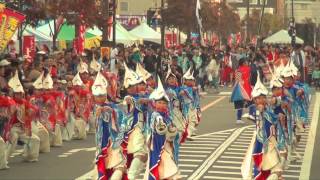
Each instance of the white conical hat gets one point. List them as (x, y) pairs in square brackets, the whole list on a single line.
[(130, 77), (287, 71), (76, 81), (48, 82), (188, 75), (294, 69), (143, 73), (169, 72), (159, 92), (38, 84), (100, 85), (276, 81), (279, 69), (95, 65), (15, 84), (259, 88), (82, 67)]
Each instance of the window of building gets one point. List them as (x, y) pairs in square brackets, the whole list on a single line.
[(124, 6)]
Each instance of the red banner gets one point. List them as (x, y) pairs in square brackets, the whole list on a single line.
[(171, 40), (29, 48), (81, 39), (10, 20)]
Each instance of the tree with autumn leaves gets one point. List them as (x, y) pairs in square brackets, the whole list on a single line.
[(181, 14), (75, 12)]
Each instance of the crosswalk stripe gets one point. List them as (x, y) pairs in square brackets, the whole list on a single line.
[(236, 149), (224, 172), (229, 162), (187, 165), (191, 155), (290, 176), (197, 147), (195, 144), (190, 160), (221, 177), (231, 157), (226, 167), (235, 153), (201, 152)]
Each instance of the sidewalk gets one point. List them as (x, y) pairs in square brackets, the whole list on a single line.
[(315, 133), (315, 173)]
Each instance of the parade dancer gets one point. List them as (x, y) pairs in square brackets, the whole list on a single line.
[(38, 123), (190, 103), (276, 85), (82, 107), (147, 77), (6, 106), (21, 123), (161, 161), (173, 90), (266, 159), (291, 92), (50, 102), (110, 159), (135, 139), (241, 94), (95, 68)]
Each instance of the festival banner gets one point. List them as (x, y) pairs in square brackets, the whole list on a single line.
[(29, 48), (10, 20), (81, 39)]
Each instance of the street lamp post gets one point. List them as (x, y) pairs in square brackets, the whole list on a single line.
[(162, 26), (105, 15), (292, 26)]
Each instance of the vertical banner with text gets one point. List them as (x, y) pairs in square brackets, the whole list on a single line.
[(29, 48), (10, 20)]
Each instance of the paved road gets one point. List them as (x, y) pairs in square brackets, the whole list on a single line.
[(217, 152)]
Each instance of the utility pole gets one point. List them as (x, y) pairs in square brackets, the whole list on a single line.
[(162, 26), (246, 34), (105, 15), (114, 23), (292, 26)]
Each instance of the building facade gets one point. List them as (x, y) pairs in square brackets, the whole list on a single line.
[(136, 7), (303, 9), (242, 5)]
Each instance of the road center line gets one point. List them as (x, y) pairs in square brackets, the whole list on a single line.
[(307, 160), (212, 103), (216, 154)]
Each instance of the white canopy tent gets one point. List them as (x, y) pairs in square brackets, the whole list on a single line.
[(281, 37), (122, 35), (146, 33)]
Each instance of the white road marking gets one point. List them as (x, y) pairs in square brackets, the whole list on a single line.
[(212, 103), (236, 149), (307, 159), (215, 155), (235, 153), (226, 167), (62, 156), (187, 165), (206, 148), (190, 160), (200, 152), (86, 176), (231, 157), (185, 170), (224, 172), (221, 177), (192, 155), (229, 162)]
